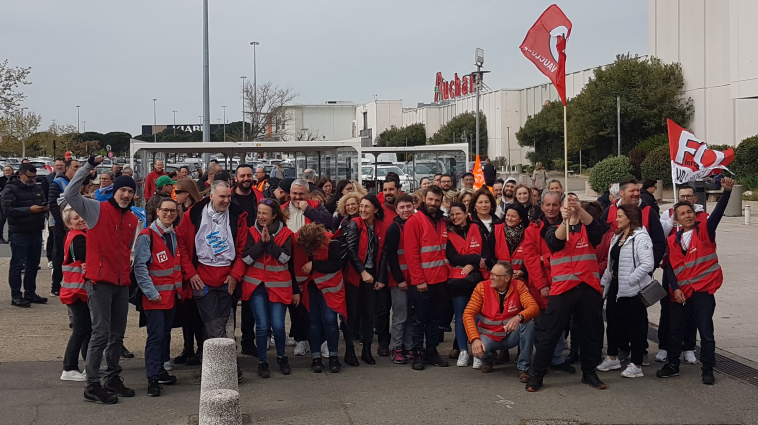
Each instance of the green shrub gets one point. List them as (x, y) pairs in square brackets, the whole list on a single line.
[(610, 170), (746, 157), (657, 165), (748, 181), (651, 143)]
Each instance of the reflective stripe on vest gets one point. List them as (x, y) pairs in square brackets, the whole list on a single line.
[(161, 273), (325, 277), (333, 288), (713, 268), (492, 322), (166, 287), (489, 332), (270, 268), (283, 284), (585, 257), (697, 261), (69, 285), (432, 248), (432, 264), (72, 269), (250, 279), (301, 279)]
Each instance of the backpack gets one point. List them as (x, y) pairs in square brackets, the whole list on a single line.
[(135, 293)]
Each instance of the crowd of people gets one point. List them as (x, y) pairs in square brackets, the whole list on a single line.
[(509, 266)]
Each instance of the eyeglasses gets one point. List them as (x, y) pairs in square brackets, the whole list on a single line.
[(179, 191), (168, 210), (266, 201), (499, 276), (687, 196)]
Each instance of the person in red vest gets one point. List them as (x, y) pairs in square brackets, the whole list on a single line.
[(505, 310), (425, 239), (391, 191), (537, 263), (466, 252), (365, 236), (393, 272), (575, 290), (152, 177), (318, 262), (269, 285), (111, 231), (73, 294), (211, 237), (694, 276), (159, 275)]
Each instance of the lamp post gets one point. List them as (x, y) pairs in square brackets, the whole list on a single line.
[(243, 107), (155, 122), (77, 118), (206, 80), (224, 122), (174, 122), (508, 136), (618, 122), (479, 62), (84, 123), (253, 115)]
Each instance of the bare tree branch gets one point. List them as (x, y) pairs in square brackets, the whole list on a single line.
[(10, 80), (266, 110)]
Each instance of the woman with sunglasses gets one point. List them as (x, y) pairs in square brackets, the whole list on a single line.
[(187, 194), (158, 272), (268, 284)]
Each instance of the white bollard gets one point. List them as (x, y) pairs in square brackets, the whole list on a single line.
[(220, 407), (219, 365), (747, 215)]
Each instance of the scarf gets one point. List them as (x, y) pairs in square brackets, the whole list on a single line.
[(104, 193), (514, 235), (297, 218), (213, 241)]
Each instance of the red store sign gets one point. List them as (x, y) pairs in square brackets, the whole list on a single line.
[(444, 90)]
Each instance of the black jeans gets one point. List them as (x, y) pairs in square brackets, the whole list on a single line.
[(26, 250), (247, 342), (3, 219), (81, 331), (109, 308), (350, 327), (382, 320), (689, 339), (428, 311), (158, 342), (214, 308), (586, 304), (59, 237), (50, 243), (298, 322), (627, 321), (367, 308), (700, 307), (192, 325)]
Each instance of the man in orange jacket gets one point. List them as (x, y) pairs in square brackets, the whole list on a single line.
[(505, 309)]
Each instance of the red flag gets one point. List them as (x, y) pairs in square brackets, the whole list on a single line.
[(545, 45), (478, 174), (691, 159)]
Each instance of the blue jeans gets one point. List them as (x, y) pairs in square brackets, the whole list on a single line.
[(268, 315), (26, 249), (523, 338), (459, 304), (158, 343), (322, 321)]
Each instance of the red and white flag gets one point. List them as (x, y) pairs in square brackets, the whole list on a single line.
[(691, 159), (545, 45)]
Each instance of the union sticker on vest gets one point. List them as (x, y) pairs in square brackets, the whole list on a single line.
[(162, 257)]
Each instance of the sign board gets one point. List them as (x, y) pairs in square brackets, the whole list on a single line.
[(444, 90), (108, 148), (110, 154)]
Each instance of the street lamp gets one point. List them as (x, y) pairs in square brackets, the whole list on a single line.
[(85, 125), (174, 122), (155, 122), (478, 61), (77, 118), (243, 107), (255, 86), (224, 122)]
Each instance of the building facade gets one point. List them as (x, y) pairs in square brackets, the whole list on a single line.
[(332, 120)]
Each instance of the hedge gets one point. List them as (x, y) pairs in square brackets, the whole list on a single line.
[(657, 165), (746, 157), (608, 171)]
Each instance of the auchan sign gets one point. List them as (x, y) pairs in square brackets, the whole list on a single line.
[(444, 90)]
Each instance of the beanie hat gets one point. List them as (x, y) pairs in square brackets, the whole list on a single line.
[(124, 181), (162, 181), (286, 184)]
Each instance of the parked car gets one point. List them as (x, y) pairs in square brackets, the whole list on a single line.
[(369, 180)]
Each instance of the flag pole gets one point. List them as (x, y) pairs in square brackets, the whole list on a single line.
[(565, 164)]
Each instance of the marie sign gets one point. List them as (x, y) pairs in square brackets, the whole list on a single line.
[(445, 90)]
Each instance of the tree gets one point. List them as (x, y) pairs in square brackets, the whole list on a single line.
[(613, 169), (265, 111), (10, 80), (18, 126), (460, 126), (657, 165), (305, 134), (412, 135), (650, 92), (545, 130)]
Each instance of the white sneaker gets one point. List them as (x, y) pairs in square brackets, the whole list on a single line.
[(301, 348), (73, 375), (169, 365), (662, 356), (290, 342), (689, 357), (462, 359), (609, 364), (478, 363), (49, 264), (632, 371), (324, 350)]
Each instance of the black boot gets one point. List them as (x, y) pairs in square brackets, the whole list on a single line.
[(334, 364), (153, 388), (418, 360), (284, 365), (182, 358), (350, 358), (366, 355), (95, 393), (317, 366)]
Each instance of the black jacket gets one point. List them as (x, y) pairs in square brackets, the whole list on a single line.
[(650, 200), (389, 262), (655, 230), (54, 192), (17, 200), (490, 174)]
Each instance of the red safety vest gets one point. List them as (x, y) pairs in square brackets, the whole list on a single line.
[(389, 214), (472, 245), (73, 287), (536, 257), (612, 211), (400, 258), (434, 264), (501, 246), (331, 285), (275, 276), (491, 320), (380, 230), (311, 203), (698, 269), (165, 271), (574, 264), (109, 246)]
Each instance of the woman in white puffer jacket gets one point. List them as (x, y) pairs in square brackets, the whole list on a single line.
[(630, 266)]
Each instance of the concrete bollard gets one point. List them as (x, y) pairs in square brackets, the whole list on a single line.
[(734, 207), (220, 407), (219, 365)]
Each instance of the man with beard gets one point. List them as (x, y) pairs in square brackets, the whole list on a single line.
[(425, 237), (508, 196), (282, 191), (497, 190), (111, 227), (247, 197), (390, 190), (446, 183)]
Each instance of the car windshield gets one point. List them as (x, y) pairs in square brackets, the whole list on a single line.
[(383, 171)]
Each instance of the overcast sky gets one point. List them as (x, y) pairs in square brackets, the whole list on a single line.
[(113, 58)]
